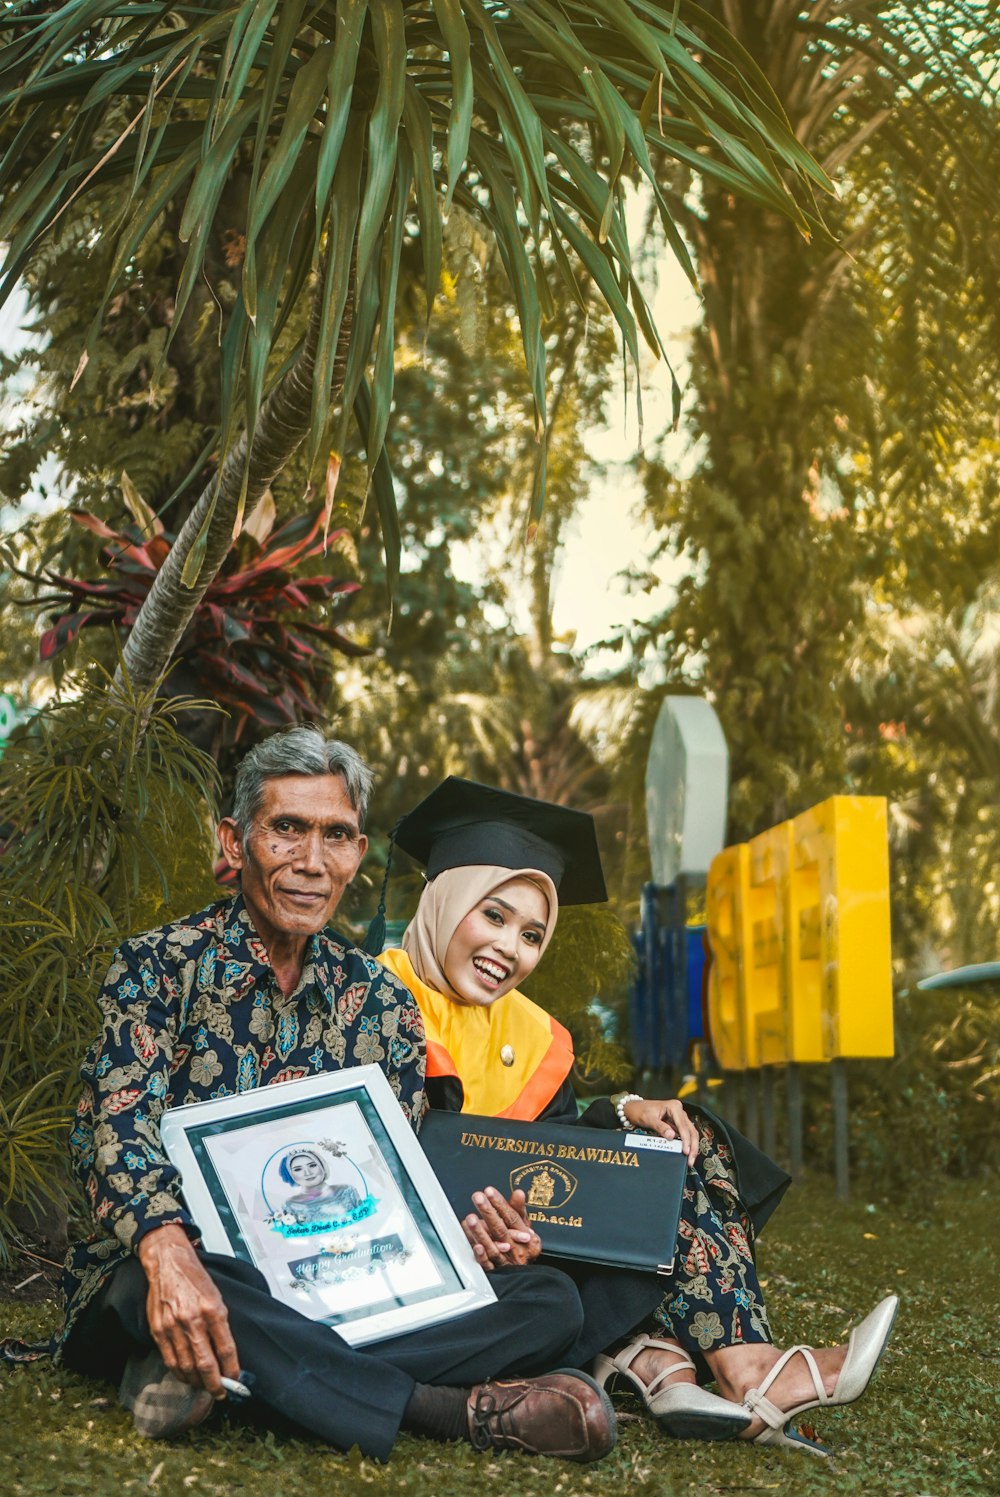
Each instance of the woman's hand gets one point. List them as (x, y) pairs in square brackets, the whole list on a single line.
[(501, 1235), (668, 1119)]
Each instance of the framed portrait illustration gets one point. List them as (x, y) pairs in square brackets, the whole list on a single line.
[(322, 1186)]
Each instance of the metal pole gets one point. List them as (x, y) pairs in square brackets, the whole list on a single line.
[(651, 1015), (732, 1089), (767, 1107), (698, 1070), (750, 1112), (793, 1084), (681, 950), (838, 1086)]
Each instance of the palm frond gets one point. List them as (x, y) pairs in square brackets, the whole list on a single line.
[(338, 118)]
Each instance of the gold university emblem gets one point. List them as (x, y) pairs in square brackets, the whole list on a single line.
[(547, 1185)]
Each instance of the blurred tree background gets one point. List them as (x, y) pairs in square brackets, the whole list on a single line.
[(834, 518), (838, 510)]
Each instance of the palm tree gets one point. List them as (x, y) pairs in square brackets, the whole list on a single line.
[(832, 389), (343, 127)]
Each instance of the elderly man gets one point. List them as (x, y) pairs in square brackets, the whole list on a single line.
[(249, 992)]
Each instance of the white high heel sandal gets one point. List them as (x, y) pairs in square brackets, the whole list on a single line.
[(868, 1341), (684, 1410)]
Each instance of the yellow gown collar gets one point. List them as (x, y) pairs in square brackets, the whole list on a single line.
[(511, 1057)]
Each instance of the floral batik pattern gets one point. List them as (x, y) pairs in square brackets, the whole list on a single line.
[(715, 1299), (193, 1011)]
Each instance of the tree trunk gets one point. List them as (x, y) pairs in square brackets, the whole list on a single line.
[(282, 427)]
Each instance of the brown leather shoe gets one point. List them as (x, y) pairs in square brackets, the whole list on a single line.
[(565, 1414)]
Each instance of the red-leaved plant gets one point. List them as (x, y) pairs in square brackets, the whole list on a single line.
[(250, 645)]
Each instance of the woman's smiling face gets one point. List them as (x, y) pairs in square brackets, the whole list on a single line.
[(498, 943), (306, 1170)]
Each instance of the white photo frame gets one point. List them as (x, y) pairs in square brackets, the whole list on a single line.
[(322, 1186)]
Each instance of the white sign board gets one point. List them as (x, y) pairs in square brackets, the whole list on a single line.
[(687, 785)]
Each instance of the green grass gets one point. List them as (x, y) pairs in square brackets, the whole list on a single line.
[(927, 1426)]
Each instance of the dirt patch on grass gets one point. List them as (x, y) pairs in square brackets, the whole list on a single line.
[(30, 1278)]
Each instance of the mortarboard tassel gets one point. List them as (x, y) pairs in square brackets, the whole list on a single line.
[(374, 939)]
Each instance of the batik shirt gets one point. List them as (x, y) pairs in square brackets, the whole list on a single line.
[(193, 1011)]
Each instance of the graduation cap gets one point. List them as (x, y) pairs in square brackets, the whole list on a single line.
[(463, 823)]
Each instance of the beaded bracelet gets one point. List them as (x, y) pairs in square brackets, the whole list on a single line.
[(620, 1102)]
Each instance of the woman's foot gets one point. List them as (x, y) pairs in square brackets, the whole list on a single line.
[(663, 1374), (737, 1369), (651, 1363)]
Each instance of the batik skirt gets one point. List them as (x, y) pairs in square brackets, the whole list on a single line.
[(715, 1298)]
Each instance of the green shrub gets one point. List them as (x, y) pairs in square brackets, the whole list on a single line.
[(582, 978), (106, 831), (932, 1110)]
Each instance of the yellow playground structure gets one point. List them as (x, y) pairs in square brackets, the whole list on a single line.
[(792, 967), (798, 925)]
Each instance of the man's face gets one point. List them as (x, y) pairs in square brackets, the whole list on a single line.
[(303, 849)]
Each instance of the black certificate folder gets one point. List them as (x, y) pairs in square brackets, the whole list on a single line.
[(593, 1195)]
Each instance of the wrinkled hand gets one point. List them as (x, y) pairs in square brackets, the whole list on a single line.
[(668, 1119), (501, 1235), (187, 1316)]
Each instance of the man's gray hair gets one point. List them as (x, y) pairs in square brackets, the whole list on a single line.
[(302, 750)]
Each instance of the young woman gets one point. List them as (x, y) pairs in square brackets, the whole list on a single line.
[(498, 866), (314, 1199)]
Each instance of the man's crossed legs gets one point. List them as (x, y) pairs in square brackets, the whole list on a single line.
[(484, 1377)]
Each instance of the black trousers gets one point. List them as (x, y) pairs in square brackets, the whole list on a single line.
[(305, 1374)]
